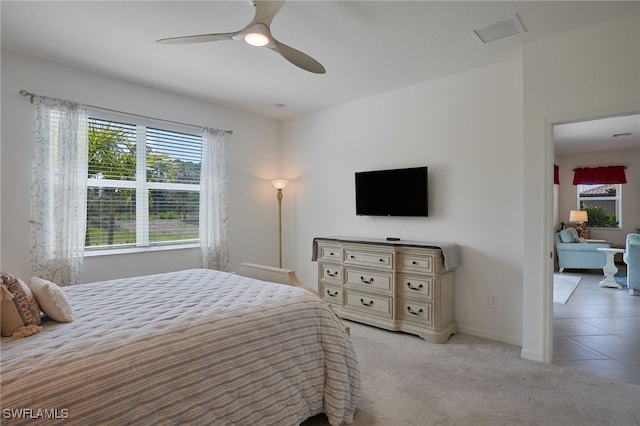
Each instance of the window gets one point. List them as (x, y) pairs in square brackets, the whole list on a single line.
[(602, 203), (143, 184)]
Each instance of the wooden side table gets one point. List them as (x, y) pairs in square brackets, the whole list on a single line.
[(610, 268)]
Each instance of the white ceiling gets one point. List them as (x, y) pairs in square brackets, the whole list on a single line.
[(604, 134), (367, 47)]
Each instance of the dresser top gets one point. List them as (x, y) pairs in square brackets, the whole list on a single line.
[(450, 251)]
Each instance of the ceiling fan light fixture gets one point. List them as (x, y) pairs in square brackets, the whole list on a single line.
[(256, 35), (256, 39)]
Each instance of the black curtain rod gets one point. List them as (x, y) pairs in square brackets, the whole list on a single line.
[(26, 93), (595, 167)]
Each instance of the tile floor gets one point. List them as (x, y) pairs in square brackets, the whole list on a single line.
[(598, 330)]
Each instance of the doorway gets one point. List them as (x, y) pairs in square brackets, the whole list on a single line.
[(592, 331)]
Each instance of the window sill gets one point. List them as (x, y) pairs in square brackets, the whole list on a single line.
[(96, 253)]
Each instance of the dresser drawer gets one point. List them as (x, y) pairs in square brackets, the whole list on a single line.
[(382, 260), (419, 312), (330, 253), (331, 273), (331, 294), (370, 280), (412, 286), (375, 305), (417, 263)]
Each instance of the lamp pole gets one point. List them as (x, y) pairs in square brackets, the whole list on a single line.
[(279, 185), (279, 227)]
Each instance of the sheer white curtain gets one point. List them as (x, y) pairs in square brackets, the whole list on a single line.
[(214, 221), (58, 190)]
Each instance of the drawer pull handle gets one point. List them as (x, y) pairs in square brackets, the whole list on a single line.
[(412, 312), (381, 260), (331, 254), (414, 263), (365, 303), (332, 294), (414, 288), (352, 257), (332, 274), (370, 281)]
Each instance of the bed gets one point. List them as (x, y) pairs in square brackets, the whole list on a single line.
[(191, 347)]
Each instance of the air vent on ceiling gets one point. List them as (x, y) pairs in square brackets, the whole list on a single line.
[(506, 28)]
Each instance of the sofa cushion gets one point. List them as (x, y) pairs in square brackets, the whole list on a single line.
[(586, 247), (569, 235), (632, 239)]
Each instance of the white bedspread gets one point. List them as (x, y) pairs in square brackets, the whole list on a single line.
[(192, 347)]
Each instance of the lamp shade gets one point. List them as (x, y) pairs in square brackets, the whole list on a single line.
[(578, 216), (279, 184)]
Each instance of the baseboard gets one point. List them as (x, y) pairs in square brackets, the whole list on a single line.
[(524, 353), (531, 356), (498, 337)]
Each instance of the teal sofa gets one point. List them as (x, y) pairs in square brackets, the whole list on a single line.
[(632, 258), (575, 253)]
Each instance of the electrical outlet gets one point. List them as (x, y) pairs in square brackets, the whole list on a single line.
[(493, 301)]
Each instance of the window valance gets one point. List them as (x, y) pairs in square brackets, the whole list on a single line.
[(596, 175)]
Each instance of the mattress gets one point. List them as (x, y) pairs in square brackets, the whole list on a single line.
[(192, 347)]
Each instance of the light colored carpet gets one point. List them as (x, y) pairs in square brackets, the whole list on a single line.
[(471, 381), (564, 286)]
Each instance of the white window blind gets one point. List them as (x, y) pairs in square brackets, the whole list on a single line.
[(143, 185)]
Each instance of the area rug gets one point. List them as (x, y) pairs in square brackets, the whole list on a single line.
[(564, 286), (622, 281)]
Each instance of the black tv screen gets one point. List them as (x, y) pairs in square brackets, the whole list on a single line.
[(397, 192)]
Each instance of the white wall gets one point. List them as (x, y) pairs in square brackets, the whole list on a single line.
[(588, 73), (253, 158), (467, 129), (567, 199)]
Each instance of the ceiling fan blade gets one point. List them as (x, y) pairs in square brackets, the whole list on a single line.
[(196, 38), (260, 27), (265, 11), (299, 59)]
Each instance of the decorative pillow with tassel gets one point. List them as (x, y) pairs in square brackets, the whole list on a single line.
[(20, 312)]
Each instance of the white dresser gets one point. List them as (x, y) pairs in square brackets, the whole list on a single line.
[(395, 285)]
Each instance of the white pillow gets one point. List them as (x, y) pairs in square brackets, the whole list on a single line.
[(51, 299)]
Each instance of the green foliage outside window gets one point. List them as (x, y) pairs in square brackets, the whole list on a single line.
[(112, 155), (598, 218)]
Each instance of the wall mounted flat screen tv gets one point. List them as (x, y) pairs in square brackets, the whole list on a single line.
[(397, 192)]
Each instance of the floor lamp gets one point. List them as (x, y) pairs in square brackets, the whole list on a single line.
[(279, 185)]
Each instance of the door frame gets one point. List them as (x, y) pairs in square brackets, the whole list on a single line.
[(550, 122)]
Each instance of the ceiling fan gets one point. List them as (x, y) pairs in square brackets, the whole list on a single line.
[(257, 33)]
